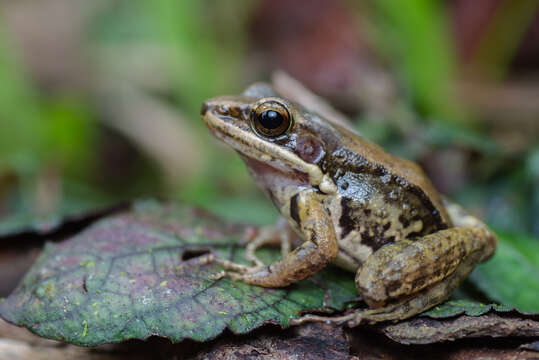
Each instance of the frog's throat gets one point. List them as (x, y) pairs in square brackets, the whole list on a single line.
[(251, 145)]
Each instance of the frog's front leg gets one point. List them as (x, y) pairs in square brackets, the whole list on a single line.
[(318, 249), (408, 277), (278, 234)]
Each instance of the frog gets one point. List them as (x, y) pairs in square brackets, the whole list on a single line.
[(345, 201)]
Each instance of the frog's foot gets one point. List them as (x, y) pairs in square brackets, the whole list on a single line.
[(235, 271), (280, 234), (229, 265), (333, 320), (369, 316), (265, 236), (254, 238)]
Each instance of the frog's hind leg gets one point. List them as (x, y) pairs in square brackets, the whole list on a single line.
[(408, 277), (279, 234), (403, 309)]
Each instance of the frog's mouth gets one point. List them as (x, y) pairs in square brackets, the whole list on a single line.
[(239, 136)]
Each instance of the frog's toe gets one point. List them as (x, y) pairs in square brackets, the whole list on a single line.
[(218, 276), (229, 274), (247, 276), (258, 275), (251, 256), (236, 276), (349, 319), (232, 266)]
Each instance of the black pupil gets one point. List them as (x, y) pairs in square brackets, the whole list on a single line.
[(271, 119)]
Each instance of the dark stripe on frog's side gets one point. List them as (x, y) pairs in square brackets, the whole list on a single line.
[(294, 209), (346, 221)]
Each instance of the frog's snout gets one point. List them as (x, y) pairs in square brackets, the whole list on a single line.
[(227, 108), (215, 105), (204, 108)]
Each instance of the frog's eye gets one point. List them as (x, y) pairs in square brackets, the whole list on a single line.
[(270, 119)]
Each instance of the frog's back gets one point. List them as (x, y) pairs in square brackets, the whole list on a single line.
[(382, 199)]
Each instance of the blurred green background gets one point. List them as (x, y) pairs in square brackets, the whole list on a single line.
[(99, 100)]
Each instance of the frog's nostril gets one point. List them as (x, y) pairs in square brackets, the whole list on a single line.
[(204, 109)]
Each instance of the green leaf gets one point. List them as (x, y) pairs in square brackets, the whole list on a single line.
[(510, 277), (142, 273), (525, 245), (467, 307)]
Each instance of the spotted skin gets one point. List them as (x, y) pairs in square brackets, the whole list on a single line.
[(350, 203)]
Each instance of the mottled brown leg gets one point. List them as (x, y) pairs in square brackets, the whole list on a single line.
[(408, 277), (408, 307), (319, 248)]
